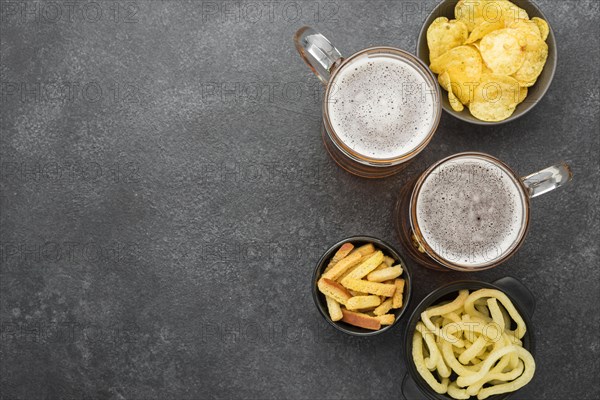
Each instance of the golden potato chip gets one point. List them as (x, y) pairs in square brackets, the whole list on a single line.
[(536, 54), (454, 101), (483, 29), (474, 12), (503, 51), (503, 46), (506, 11), (543, 27), (495, 98), (486, 71), (464, 65), (444, 79), (471, 12), (443, 35), (445, 82), (522, 94), (525, 27)]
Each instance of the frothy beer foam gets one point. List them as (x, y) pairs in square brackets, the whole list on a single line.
[(381, 106), (471, 211)]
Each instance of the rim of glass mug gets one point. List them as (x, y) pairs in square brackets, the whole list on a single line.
[(326, 62), (529, 186)]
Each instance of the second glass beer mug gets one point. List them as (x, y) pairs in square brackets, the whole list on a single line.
[(470, 211), (381, 105)]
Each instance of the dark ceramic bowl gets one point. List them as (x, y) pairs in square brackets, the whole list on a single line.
[(414, 386), (321, 303), (536, 92)]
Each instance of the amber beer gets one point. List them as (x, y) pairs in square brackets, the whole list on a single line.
[(470, 211), (381, 106)]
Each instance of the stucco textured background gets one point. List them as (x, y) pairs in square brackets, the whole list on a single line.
[(166, 195)]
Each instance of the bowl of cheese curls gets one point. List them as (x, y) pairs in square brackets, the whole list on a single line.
[(494, 58), (361, 286), (471, 340)]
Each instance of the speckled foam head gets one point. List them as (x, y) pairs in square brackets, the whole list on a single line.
[(381, 106), (471, 211)]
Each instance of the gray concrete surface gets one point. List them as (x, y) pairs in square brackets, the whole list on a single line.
[(166, 194)]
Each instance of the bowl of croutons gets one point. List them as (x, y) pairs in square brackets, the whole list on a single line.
[(361, 286)]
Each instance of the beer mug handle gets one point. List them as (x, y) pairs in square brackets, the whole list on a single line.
[(547, 179), (317, 52)]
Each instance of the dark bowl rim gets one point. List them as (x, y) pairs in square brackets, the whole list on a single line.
[(551, 41), (435, 295), (388, 248)]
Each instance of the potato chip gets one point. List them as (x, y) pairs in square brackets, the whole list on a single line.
[(486, 71), (503, 51), (506, 11), (502, 43), (525, 27), (464, 65), (445, 82), (483, 29), (495, 98), (536, 54), (471, 12), (474, 12), (454, 101), (443, 35), (543, 27), (444, 79), (522, 94)]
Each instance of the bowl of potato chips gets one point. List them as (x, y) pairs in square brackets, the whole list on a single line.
[(494, 58), (471, 340), (361, 286)]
